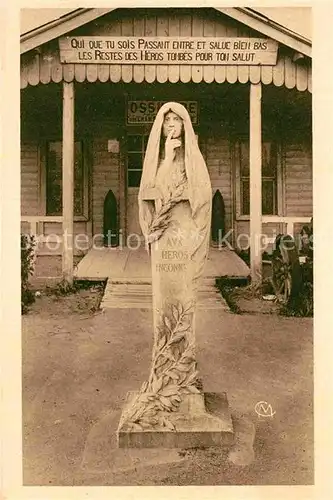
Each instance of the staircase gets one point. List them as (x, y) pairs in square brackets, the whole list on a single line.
[(132, 293)]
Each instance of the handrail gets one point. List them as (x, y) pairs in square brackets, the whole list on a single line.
[(35, 220), (41, 218), (285, 218), (290, 220)]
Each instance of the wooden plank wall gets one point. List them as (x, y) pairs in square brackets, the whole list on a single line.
[(298, 180), (30, 180), (45, 66)]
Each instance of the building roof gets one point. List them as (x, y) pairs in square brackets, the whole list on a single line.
[(251, 18)]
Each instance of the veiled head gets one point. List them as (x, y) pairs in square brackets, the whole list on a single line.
[(172, 122), (199, 186)]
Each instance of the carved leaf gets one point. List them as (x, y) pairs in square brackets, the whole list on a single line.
[(182, 379), (183, 328), (170, 390), (175, 312), (149, 421), (166, 402), (175, 404), (193, 389), (161, 343), (161, 361), (167, 323), (159, 405), (166, 379), (187, 360), (183, 368), (144, 398), (185, 390), (189, 307), (144, 387), (150, 414), (180, 308), (153, 380), (135, 412), (169, 355), (176, 352), (173, 374), (189, 351), (157, 384), (192, 377), (168, 425), (177, 338)]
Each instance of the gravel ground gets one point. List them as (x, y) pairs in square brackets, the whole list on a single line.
[(79, 364)]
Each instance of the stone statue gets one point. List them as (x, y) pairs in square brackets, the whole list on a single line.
[(175, 200)]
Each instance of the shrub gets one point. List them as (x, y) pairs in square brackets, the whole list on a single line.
[(28, 244)]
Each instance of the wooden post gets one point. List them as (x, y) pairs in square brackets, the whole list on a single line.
[(122, 216), (68, 180), (255, 181)]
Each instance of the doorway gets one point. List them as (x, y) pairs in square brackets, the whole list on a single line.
[(135, 153)]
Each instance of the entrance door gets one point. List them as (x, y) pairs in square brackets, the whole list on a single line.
[(136, 147)]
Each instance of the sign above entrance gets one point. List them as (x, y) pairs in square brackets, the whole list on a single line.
[(146, 111), (168, 50)]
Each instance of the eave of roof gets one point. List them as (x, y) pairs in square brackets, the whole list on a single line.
[(245, 15), (270, 28), (59, 27)]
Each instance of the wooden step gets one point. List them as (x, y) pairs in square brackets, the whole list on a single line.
[(139, 295)]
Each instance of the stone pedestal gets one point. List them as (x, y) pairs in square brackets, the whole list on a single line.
[(192, 426)]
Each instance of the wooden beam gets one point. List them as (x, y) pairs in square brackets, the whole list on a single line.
[(255, 181), (68, 180)]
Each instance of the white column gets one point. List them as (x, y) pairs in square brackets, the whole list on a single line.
[(255, 181), (68, 180)]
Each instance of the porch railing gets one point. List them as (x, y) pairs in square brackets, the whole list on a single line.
[(290, 221), (36, 225)]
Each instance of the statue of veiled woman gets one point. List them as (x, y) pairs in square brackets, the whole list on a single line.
[(176, 169), (175, 214)]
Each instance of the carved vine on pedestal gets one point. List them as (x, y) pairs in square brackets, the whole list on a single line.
[(160, 221), (172, 375)]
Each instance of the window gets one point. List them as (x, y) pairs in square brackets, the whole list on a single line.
[(136, 147), (54, 179), (269, 178)]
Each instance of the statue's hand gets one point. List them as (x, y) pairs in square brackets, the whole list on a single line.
[(170, 147)]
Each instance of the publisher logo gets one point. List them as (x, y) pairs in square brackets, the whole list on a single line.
[(263, 409)]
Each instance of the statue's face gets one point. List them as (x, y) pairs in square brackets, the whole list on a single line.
[(172, 122)]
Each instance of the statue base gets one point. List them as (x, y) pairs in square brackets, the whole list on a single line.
[(202, 420)]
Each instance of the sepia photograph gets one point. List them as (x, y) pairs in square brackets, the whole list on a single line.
[(166, 235)]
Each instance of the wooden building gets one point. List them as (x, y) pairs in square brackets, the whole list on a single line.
[(87, 108)]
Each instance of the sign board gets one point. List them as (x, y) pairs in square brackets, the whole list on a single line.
[(168, 50), (145, 111)]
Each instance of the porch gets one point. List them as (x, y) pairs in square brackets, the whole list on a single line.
[(126, 265), (81, 139)]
